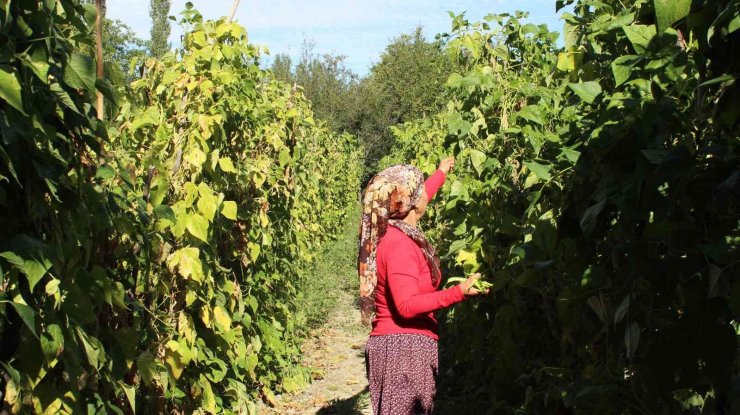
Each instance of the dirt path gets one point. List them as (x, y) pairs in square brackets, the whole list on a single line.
[(335, 352)]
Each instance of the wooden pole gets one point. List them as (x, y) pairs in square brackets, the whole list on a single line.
[(233, 11), (99, 55)]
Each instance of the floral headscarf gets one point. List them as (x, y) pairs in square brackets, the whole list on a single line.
[(389, 196)]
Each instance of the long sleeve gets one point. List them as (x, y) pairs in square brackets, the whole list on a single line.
[(404, 286), (433, 183)]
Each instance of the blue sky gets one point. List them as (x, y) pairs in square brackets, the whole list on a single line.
[(360, 30)]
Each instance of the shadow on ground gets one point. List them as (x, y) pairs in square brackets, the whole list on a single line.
[(349, 406)]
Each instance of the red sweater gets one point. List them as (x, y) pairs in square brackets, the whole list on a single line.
[(405, 298)]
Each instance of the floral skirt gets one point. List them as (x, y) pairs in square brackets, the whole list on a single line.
[(402, 373)]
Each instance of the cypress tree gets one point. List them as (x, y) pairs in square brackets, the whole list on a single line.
[(159, 12)]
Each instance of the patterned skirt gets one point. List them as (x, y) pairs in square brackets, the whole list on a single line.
[(402, 373)]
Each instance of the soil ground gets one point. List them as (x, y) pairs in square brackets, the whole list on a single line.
[(336, 354)]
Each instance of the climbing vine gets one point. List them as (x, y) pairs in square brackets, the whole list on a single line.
[(596, 187), (150, 265)]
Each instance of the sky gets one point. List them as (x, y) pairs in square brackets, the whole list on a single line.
[(359, 30)]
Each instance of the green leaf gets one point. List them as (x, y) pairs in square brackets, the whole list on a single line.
[(105, 172), (149, 117), (229, 210), (632, 339), (622, 68), (455, 80), (80, 72), (570, 154), (27, 314), (30, 256), (174, 359), (63, 97), (197, 225), (147, 367), (52, 341), (532, 113), (588, 221), (38, 62), (222, 318), (130, 392), (542, 171), (587, 91), (226, 165), (196, 156), (477, 158), (93, 348), (717, 80), (640, 36), (107, 89), (10, 88), (668, 12), (622, 310)]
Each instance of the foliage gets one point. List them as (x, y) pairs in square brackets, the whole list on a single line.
[(405, 84), (121, 46), (159, 11), (153, 267), (334, 274), (596, 187), (411, 73), (326, 82)]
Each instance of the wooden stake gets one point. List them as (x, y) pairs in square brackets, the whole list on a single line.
[(233, 11), (99, 55)]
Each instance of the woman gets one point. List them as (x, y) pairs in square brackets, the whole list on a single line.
[(399, 276)]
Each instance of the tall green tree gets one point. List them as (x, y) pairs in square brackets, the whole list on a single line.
[(411, 74), (407, 83), (326, 81), (159, 12), (121, 46)]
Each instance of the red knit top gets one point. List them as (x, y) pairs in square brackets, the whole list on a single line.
[(405, 298)]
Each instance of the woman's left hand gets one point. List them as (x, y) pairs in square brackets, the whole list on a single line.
[(468, 286), (446, 165)]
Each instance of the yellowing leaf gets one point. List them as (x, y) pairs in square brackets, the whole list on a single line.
[(221, 317), (207, 202), (187, 262), (464, 257), (209, 399), (205, 316), (264, 220), (229, 210), (254, 250), (173, 359), (186, 327), (196, 157), (226, 165), (197, 225)]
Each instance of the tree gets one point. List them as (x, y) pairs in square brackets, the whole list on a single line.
[(326, 81), (407, 83), (282, 68), (120, 47), (411, 73), (159, 12)]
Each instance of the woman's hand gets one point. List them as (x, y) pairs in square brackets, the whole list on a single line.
[(468, 286), (446, 164)]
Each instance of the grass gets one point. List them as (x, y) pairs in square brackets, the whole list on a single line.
[(334, 272)]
